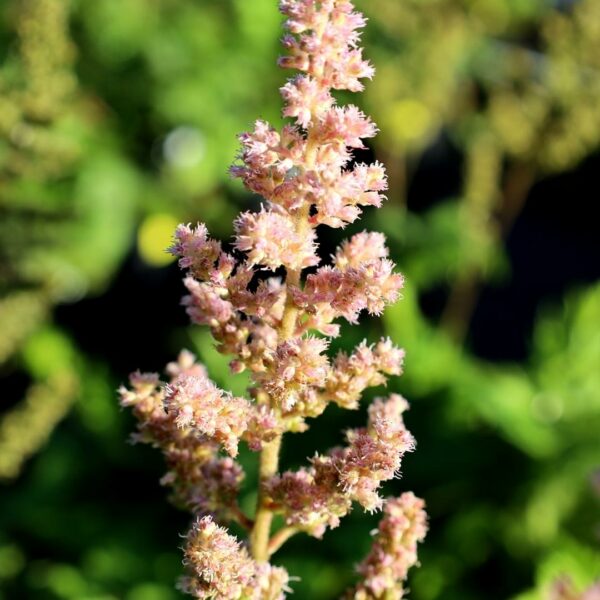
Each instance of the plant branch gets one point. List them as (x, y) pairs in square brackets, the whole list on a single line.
[(259, 536), (240, 518), (280, 538)]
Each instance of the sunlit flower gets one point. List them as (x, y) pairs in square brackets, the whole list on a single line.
[(268, 325)]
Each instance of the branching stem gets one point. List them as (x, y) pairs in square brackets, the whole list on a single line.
[(241, 518), (280, 538)]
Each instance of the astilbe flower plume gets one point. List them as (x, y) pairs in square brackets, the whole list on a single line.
[(276, 327)]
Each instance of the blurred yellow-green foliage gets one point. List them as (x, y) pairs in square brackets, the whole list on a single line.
[(118, 120)]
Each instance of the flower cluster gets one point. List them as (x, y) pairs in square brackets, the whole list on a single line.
[(348, 287), (564, 589), (315, 498), (394, 549), (366, 367), (221, 568), (274, 320), (292, 170), (202, 480)]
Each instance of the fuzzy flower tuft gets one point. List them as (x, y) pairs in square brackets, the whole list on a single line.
[(361, 248), (201, 480), (374, 454), (270, 239), (195, 250), (306, 100), (309, 498), (366, 367), (394, 549), (323, 42), (298, 365), (564, 589), (196, 403), (346, 126), (315, 498), (220, 566)]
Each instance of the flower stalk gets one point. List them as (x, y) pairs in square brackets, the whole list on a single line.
[(259, 537)]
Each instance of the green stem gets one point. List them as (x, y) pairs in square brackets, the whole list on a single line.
[(259, 537)]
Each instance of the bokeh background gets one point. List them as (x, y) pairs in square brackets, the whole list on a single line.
[(118, 120)]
